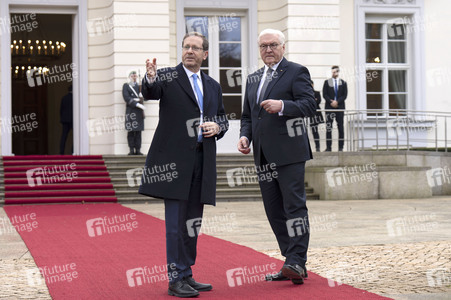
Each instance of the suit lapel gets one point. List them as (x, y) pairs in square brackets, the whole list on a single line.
[(206, 84), (276, 77), (184, 82)]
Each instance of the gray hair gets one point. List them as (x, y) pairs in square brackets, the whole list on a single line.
[(279, 33)]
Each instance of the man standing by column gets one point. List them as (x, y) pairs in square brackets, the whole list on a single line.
[(335, 92), (278, 98), (188, 97)]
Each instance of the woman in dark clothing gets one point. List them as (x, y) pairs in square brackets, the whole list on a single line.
[(317, 119)]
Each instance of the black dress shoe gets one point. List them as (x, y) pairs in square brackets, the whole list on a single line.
[(276, 277), (327, 150), (294, 272), (182, 290), (301, 281), (201, 287), (138, 153), (131, 153)]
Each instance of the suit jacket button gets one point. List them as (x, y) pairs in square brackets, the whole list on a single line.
[(259, 118)]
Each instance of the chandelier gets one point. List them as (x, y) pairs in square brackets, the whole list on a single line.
[(38, 48)]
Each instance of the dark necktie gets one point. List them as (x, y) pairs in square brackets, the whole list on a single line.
[(336, 89), (265, 85)]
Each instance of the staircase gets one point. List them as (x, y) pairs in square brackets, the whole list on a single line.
[(93, 183), (228, 189), (2, 183), (55, 179)]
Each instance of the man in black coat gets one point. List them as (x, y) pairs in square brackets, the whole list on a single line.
[(66, 118), (335, 92), (134, 114), (181, 163), (278, 98)]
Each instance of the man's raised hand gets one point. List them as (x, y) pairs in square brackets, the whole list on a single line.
[(151, 68)]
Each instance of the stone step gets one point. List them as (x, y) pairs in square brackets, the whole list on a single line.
[(222, 187), (219, 165), (137, 198)]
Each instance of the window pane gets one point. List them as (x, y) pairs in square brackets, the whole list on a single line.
[(373, 52), (230, 81), (396, 52), (229, 29), (396, 31), (374, 102), (373, 31), (229, 55), (198, 24), (396, 81), (232, 104), (374, 81), (397, 101)]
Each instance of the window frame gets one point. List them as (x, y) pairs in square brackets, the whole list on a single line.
[(385, 67), (416, 77)]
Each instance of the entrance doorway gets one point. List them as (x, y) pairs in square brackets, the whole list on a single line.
[(41, 76)]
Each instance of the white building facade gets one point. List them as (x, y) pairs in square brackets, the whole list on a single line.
[(392, 53)]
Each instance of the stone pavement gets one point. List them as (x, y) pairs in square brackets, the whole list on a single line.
[(396, 248)]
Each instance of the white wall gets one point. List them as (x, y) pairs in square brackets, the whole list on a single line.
[(141, 32), (438, 63)]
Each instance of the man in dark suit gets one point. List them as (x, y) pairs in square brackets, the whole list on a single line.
[(335, 92), (188, 97), (134, 114), (278, 98), (66, 118)]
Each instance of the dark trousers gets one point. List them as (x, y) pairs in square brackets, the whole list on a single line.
[(67, 127), (338, 116), (183, 220), (284, 199), (315, 135), (134, 140)]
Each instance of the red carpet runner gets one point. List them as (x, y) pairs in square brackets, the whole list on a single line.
[(107, 251), (56, 179)]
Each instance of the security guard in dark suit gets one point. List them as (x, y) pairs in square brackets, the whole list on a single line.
[(335, 92)]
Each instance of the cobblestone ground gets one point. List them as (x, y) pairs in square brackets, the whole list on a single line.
[(416, 268), (18, 280), (385, 269)]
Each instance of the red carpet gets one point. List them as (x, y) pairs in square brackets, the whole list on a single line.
[(56, 179), (83, 260)]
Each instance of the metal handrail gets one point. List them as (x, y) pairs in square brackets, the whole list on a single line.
[(404, 129)]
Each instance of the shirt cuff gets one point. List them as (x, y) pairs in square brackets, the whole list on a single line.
[(281, 111)]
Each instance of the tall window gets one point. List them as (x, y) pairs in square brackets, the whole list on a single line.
[(387, 65), (225, 59)]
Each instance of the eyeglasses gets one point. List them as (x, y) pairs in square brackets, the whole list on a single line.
[(272, 46), (195, 49)]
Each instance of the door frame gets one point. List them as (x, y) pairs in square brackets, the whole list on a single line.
[(78, 9)]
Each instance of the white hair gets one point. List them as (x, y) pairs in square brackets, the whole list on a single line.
[(272, 31)]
